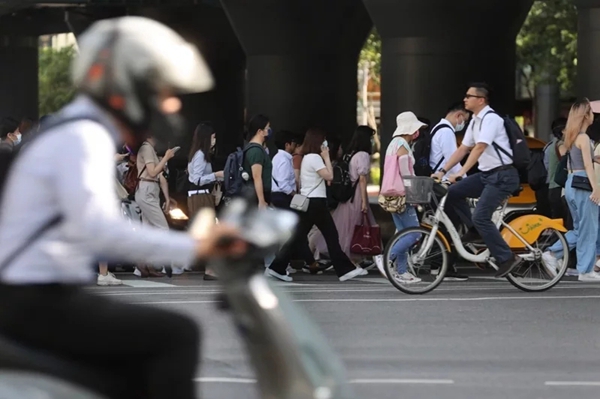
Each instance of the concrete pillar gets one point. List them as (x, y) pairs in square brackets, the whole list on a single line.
[(547, 103), (588, 42), (431, 49), (209, 28), (19, 76), (302, 58)]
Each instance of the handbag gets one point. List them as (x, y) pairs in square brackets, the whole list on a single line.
[(366, 239), (392, 204), (300, 202), (581, 183), (562, 172)]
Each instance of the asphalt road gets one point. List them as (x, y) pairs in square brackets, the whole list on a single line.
[(478, 339)]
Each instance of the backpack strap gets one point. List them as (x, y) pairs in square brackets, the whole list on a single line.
[(433, 132), (496, 146), (57, 219)]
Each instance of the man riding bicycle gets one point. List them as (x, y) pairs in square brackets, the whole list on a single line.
[(495, 182)]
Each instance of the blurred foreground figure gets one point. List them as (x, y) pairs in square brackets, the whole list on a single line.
[(59, 215)]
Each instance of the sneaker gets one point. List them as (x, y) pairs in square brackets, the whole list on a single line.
[(272, 273), (290, 270), (379, 263), (589, 277), (408, 278), (550, 262), (572, 273), (108, 280), (354, 273), (452, 275), (505, 268)]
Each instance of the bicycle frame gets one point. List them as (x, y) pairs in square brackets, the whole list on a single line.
[(441, 217)]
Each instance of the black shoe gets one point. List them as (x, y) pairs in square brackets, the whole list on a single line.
[(505, 268), (452, 275)]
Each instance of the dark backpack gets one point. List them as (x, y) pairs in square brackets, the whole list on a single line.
[(537, 174), (235, 178), (341, 188), (518, 143), (7, 160), (422, 152)]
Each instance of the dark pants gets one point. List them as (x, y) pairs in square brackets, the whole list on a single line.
[(154, 350), (301, 252), (491, 189), (317, 214)]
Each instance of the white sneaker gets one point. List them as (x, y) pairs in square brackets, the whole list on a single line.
[(107, 280), (408, 278), (291, 270), (354, 273), (273, 273), (550, 262), (137, 272), (572, 273), (590, 277), (177, 270), (379, 263)]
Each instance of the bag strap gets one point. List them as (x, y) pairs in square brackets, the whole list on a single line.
[(435, 130), (496, 146)]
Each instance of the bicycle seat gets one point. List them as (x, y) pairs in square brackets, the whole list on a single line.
[(517, 192), (15, 356)]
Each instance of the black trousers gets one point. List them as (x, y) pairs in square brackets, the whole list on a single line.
[(301, 252), (152, 349), (316, 215)]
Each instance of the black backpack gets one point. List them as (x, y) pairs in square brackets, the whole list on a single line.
[(7, 160), (537, 174), (518, 143), (341, 188), (422, 152), (234, 173)]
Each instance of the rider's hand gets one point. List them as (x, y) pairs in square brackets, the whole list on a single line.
[(222, 241), (437, 176), (452, 178), (595, 196)]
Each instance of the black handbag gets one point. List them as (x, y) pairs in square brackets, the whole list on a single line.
[(581, 183), (562, 173)]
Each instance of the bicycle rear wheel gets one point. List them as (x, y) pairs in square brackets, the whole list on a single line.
[(535, 275), (430, 270)]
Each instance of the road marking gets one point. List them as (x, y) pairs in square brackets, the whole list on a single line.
[(146, 284), (573, 383), (364, 300), (226, 380), (401, 381)]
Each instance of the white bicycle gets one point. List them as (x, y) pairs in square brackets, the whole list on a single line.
[(528, 236)]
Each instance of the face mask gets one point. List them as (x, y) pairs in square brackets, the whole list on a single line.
[(460, 126), (269, 133), (18, 140), (325, 144)]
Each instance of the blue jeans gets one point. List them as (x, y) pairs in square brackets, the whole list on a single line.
[(585, 227), (491, 188), (399, 251)]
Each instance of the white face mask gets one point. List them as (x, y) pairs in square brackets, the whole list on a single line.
[(460, 126), (18, 135)]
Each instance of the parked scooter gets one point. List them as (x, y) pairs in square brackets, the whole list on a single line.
[(291, 358)]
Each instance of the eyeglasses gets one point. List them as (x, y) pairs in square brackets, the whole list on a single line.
[(473, 96)]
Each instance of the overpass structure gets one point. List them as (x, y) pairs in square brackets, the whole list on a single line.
[(296, 60)]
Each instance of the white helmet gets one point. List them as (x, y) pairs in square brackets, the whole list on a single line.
[(124, 63)]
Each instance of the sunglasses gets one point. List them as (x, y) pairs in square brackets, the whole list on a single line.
[(473, 96)]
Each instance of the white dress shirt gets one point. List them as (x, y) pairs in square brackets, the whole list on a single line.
[(284, 178), (443, 145), (199, 171), (490, 131), (70, 171)]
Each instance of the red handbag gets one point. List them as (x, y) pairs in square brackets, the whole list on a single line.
[(366, 239)]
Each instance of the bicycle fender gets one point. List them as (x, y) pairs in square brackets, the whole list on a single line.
[(529, 227), (440, 235)]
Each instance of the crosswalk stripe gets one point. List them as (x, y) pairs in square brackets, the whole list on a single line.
[(146, 284)]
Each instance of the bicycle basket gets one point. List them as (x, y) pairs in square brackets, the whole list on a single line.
[(418, 189)]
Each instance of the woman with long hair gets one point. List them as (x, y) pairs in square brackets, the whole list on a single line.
[(582, 194), (316, 170), (200, 174), (351, 213)]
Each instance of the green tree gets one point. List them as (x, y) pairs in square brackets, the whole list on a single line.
[(55, 87), (547, 45)]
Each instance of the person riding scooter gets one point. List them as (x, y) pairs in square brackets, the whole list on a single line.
[(59, 214)]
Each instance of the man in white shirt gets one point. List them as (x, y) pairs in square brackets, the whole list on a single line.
[(283, 186), (488, 143), (443, 138), (59, 216)]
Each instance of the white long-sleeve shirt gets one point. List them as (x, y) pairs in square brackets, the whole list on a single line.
[(70, 171), (284, 177), (443, 144), (199, 171)]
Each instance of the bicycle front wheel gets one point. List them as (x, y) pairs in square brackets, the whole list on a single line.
[(535, 274), (428, 272)]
